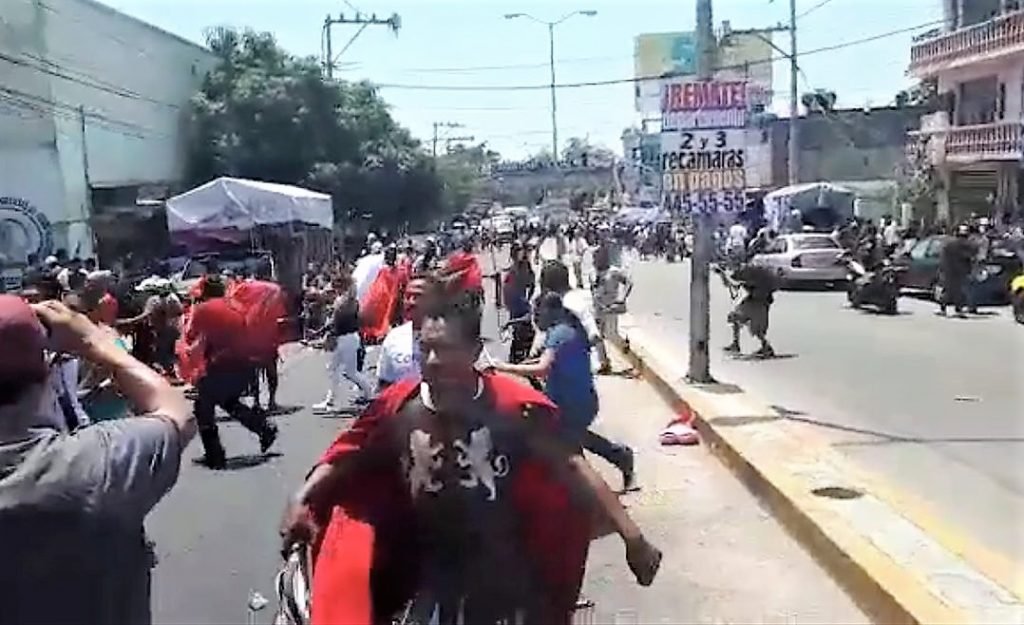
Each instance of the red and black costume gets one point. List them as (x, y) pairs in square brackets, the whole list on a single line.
[(402, 540)]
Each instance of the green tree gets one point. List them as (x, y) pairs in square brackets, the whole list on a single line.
[(464, 172), (265, 114), (581, 152), (924, 93)]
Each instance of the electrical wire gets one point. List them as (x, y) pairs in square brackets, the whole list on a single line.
[(70, 111), (120, 92), (814, 8), (637, 79)]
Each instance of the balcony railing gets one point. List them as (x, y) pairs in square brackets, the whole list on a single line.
[(986, 142), (995, 37)]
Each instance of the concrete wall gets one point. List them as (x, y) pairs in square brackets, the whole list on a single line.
[(94, 98), (845, 145)]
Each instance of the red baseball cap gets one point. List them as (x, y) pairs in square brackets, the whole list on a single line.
[(22, 340)]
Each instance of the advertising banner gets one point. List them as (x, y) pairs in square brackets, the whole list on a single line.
[(704, 170), (659, 57)]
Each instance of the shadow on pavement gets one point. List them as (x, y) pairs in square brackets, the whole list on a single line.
[(743, 420), (756, 358), (244, 461), (885, 437)]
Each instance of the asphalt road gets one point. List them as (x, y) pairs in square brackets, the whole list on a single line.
[(726, 559), (934, 405)]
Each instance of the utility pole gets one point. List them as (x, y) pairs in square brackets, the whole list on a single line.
[(393, 23), (437, 137), (551, 61), (794, 104), (793, 159), (554, 101), (700, 267)]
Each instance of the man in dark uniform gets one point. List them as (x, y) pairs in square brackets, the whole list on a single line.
[(753, 310), (955, 262)]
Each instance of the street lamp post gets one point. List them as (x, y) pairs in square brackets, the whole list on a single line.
[(551, 57)]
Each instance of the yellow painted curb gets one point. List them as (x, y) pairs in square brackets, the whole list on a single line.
[(886, 590)]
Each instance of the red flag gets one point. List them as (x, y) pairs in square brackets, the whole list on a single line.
[(471, 276), (378, 305), (263, 305)]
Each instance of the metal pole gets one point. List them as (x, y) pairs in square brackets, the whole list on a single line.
[(794, 104), (329, 61), (433, 149), (554, 102), (700, 267)]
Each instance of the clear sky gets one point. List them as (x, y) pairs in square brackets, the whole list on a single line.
[(467, 43)]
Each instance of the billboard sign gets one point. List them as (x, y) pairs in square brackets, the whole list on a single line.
[(672, 56), (704, 104), (665, 54), (704, 170)]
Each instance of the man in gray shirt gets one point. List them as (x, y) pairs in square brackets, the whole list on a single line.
[(72, 505)]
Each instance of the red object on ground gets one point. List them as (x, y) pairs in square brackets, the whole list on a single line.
[(367, 559), (378, 306), (472, 278), (678, 432)]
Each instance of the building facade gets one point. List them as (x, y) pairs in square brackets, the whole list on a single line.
[(92, 106), (975, 135), (855, 148)]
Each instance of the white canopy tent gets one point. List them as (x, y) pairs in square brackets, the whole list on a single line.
[(238, 204)]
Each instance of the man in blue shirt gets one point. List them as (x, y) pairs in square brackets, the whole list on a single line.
[(569, 382)]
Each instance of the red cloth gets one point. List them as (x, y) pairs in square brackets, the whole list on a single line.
[(369, 528), (263, 304), (472, 278), (378, 306), (190, 355)]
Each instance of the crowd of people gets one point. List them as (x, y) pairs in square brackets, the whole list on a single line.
[(452, 469)]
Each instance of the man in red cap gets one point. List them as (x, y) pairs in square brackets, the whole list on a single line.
[(72, 505)]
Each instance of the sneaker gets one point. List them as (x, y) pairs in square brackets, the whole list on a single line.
[(732, 348), (268, 437), (628, 471), (324, 407), (765, 352), (216, 463), (361, 401)]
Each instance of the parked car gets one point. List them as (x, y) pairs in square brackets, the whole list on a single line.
[(921, 263), (807, 258), (241, 262)]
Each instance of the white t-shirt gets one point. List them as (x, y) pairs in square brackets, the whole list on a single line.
[(580, 303), (737, 236), (366, 272), (399, 355)]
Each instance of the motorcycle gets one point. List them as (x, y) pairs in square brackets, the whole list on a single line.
[(1017, 297), (878, 289)]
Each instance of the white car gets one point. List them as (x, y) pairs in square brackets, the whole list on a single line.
[(804, 259)]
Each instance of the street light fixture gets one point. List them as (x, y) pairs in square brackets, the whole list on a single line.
[(551, 58)]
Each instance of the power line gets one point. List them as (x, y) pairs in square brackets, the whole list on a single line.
[(814, 8), (489, 68), (620, 81), (117, 91), (70, 111)]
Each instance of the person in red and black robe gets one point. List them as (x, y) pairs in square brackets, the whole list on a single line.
[(451, 500)]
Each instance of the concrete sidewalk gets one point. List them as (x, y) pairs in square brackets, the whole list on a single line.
[(900, 562), (726, 559)]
